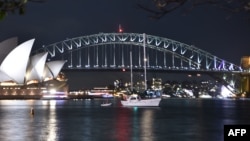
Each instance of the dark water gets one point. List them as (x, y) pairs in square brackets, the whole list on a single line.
[(85, 120)]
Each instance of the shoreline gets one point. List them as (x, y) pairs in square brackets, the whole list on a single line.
[(39, 97)]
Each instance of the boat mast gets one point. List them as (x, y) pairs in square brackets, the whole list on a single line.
[(131, 72), (144, 59)]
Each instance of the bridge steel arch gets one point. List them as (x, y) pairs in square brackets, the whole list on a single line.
[(111, 51)]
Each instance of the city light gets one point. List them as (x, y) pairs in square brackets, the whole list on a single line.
[(226, 93)]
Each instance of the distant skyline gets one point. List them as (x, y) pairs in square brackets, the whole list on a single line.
[(88, 80), (205, 27)]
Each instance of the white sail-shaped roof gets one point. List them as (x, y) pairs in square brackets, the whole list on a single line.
[(15, 63), (47, 73), (36, 67), (4, 77), (53, 68), (6, 47)]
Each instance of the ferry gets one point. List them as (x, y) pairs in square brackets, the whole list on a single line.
[(101, 92)]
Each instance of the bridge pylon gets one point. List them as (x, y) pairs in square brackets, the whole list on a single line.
[(245, 83), (245, 75)]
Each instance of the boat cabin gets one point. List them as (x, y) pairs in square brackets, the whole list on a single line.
[(134, 97)]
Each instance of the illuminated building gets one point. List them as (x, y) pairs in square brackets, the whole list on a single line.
[(157, 84), (25, 76), (245, 63)]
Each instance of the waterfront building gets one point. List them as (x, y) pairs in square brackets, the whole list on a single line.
[(25, 76), (157, 84), (103, 92)]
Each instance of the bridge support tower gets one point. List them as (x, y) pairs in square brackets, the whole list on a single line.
[(245, 79), (245, 83)]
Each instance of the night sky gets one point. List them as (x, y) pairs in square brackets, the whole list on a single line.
[(206, 27)]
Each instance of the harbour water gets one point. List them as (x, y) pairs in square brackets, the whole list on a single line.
[(86, 120)]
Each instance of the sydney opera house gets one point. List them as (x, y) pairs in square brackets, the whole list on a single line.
[(23, 76)]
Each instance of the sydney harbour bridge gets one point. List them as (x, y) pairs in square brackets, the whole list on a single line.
[(116, 51)]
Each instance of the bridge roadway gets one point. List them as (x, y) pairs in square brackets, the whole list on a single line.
[(155, 70)]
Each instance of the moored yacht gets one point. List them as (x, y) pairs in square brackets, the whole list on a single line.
[(135, 100)]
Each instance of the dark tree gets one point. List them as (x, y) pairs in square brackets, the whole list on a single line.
[(13, 6), (159, 8)]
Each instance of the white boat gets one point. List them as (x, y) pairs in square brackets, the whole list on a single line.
[(106, 104), (135, 100)]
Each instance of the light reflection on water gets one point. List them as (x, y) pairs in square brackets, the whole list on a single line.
[(146, 125), (85, 120), (52, 121)]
